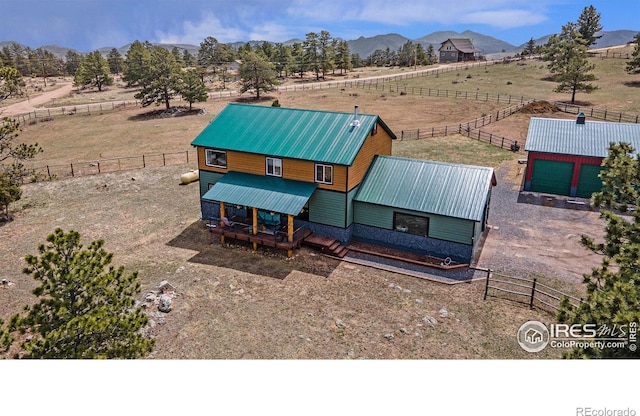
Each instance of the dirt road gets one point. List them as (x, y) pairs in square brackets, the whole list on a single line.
[(30, 104)]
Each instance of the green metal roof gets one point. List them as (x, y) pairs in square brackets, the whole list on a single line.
[(566, 137), (268, 193), (446, 189), (319, 136)]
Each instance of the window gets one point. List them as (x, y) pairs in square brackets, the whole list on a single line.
[(274, 166), (216, 158), (324, 173), (374, 131), (411, 224)]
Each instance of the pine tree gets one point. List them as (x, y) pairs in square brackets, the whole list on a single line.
[(568, 60), (86, 307), (161, 78), (12, 169), (115, 61), (589, 25), (633, 66), (136, 63), (613, 295), (11, 83), (192, 88), (256, 74), (94, 71)]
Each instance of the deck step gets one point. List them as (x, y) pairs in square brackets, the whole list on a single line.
[(327, 245)]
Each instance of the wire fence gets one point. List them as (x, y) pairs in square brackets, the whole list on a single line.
[(527, 291), (94, 167)]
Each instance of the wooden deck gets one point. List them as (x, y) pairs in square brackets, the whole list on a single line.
[(279, 240)]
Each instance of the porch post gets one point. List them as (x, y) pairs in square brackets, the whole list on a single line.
[(222, 215), (254, 230), (290, 233)]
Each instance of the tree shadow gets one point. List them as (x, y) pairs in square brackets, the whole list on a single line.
[(240, 255), (632, 84), (176, 111)]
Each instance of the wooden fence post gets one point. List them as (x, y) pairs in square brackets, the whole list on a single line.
[(486, 286), (533, 292)]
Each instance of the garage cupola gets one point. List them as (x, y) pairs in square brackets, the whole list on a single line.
[(581, 118)]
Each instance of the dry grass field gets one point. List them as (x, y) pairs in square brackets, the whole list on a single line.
[(235, 303)]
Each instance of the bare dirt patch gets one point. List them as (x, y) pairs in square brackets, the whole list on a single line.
[(232, 302)]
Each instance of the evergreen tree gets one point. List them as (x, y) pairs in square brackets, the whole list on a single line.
[(161, 79), (136, 64), (191, 87), (633, 66), (311, 47), (613, 295), (93, 71), (568, 60), (72, 61), (257, 74), (283, 59), (343, 56), (432, 56), (12, 169), (177, 56), (115, 61), (327, 52), (589, 25), (188, 59), (298, 65), (11, 83), (530, 47), (86, 307)]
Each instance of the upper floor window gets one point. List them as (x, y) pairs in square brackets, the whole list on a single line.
[(216, 158), (274, 166), (324, 173)]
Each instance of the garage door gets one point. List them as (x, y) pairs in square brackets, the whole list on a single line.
[(588, 182), (552, 177)]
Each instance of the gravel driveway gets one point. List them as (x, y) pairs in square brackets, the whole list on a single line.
[(533, 234)]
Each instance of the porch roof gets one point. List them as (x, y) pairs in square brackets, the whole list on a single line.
[(268, 193)]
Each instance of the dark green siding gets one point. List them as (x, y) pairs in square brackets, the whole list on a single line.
[(588, 181), (440, 227), (350, 197), (208, 179), (328, 208), (552, 177)]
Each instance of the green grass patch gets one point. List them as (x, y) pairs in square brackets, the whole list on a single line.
[(453, 149)]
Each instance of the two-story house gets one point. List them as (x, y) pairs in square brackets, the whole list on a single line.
[(457, 50), (272, 176)]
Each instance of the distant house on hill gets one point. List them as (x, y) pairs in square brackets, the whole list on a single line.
[(457, 50)]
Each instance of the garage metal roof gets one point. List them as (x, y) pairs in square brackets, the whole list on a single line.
[(269, 193), (319, 136), (565, 136), (446, 189)]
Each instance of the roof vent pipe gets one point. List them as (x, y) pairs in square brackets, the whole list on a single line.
[(355, 122)]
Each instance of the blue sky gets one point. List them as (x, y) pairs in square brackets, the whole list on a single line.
[(86, 25)]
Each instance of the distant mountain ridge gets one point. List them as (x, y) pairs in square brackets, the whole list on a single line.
[(364, 46)]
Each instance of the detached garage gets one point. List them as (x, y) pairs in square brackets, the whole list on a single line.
[(565, 156)]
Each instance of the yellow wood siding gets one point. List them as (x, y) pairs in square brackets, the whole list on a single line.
[(379, 144), (300, 170)]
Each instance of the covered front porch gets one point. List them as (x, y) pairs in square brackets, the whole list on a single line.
[(260, 209)]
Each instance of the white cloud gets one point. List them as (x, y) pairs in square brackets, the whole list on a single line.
[(408, 12), (195, 32)]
